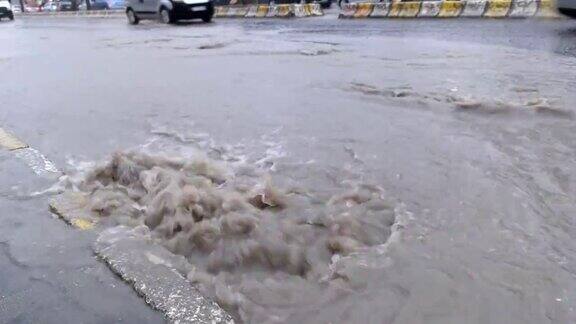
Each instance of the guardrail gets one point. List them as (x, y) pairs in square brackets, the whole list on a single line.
[(269, 11), (84, 13), (452, 9)]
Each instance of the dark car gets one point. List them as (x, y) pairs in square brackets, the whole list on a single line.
[(99, 5), (118, 4), (6, 10), (65, 5), (324, 3), (567, 7)]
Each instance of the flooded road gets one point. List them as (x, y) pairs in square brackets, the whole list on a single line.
[(318, 140)]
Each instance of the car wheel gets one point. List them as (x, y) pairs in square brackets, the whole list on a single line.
[(132, 18), (165, 16), (207, 18)]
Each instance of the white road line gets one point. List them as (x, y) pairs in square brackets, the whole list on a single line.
[(32, 157), (38, 162)]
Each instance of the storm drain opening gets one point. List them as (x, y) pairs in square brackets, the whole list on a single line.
[(264, 252)]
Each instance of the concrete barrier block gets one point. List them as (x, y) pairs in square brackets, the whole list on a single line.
[(547, 9), (474, 8), (298, 10), (262, 11), (284, 11), (251, 13), (348, 10), (237, 12), (498, 8), (451, 9), (317, 9), (220, 11), (429, 9), (363, 10), (405, 9), (272, 11), (523, 8), (381, 10)]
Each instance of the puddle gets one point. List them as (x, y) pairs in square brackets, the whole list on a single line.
[(259, 243)]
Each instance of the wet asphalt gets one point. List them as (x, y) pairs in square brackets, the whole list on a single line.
[(78, 89)]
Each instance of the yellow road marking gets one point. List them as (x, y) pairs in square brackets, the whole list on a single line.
[(72, 208), (82, 224), (10, 142)]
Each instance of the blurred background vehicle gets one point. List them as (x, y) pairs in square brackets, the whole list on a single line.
[(118, 4), (567, 7), (6, 10), (325, 4), (169, 11), (65, 5), (99, 5), (50, 6)]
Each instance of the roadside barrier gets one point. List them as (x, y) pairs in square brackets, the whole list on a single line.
[(272, 12), (348, 10), (262, 11), (547, 9), (429, 9), (380, 10), (86, 13), (363, 10), (284, 11), (237, 12), (405, 9), (269, 11), (315, 9), (498, 8), (451, 9), (527, 8), (474, 8)]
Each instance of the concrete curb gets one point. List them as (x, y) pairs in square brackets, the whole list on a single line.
[(452, 9), (155, 273), (269, 11)]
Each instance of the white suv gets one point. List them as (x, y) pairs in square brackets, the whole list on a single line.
[(6, 10), (169, 11)]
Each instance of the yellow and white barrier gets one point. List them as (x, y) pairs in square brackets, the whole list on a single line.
[(269, 11), (363, 10), (405, 9), (451, 9), (429, 9), (84, 13), (380, 10), (526, 8), (498, 8), (474, 8), (547, 9)]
